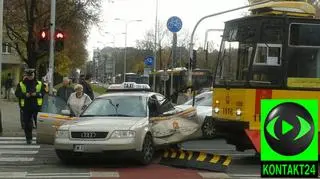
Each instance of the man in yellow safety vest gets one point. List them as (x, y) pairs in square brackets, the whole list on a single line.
[(30, 93)]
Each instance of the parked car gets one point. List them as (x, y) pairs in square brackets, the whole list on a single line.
[(203, 104)]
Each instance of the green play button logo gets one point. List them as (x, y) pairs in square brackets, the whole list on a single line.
[(286, 127), (289, 128)]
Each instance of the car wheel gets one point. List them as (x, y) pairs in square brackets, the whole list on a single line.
[(147, 152), (208, 128), (65, 157)]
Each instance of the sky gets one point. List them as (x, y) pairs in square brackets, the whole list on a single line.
[(189, 11)]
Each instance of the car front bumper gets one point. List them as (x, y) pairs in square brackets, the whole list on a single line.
[(96, 146)]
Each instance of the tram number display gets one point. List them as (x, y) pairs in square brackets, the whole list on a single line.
[(227, 111)]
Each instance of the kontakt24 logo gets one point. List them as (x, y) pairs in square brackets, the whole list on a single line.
[(289, 138)]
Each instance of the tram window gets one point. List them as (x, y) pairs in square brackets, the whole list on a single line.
[(304, 63), (303, 34), (230, 60), (268, 54), (262, 54), (245, 52)]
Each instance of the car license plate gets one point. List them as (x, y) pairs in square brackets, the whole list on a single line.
[(78, 148)]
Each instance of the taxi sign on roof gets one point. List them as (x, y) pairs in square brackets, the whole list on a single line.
[(129, 86)]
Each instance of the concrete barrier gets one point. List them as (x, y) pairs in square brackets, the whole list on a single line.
[(195, 160)]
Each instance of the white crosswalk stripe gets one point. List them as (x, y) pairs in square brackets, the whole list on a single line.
[(15, 149)]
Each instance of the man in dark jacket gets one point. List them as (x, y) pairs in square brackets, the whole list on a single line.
[(30, 93), (65, 90), (86, 86), (8, 86)]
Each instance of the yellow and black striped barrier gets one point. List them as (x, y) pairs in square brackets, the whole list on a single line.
[(196, 160)]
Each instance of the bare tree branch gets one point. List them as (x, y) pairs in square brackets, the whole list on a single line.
[(14, 33)]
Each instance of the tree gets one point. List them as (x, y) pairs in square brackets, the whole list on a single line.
[(24, 19)]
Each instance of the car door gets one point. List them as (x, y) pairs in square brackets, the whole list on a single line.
[(50, 118), (172, 126)]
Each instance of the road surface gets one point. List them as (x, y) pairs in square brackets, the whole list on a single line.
[(18, 160)]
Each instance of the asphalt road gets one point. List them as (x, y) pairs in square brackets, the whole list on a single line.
[(18, 160)]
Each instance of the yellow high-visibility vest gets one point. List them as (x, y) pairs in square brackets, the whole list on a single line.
[(24, 91)]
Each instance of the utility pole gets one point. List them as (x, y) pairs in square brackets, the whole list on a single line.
[(125, 54), (1, 31), (155, 49), (51, 55), (173, 62)]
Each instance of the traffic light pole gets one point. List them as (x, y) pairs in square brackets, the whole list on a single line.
[(1, 57), (51, 54)]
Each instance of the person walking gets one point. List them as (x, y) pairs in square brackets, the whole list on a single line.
[(78, 100), (86, 86), (65, 90), (30, 93), (8, 86)]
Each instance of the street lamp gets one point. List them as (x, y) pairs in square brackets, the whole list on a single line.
[(113, 36), (125, 44)]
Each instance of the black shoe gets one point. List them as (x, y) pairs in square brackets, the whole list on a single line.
[(29, 142)]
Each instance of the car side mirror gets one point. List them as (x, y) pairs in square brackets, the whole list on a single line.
[(66, 112)]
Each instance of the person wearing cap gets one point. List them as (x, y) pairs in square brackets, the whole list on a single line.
[(65, 90), (30, 93), (78, 100), (86, 86)]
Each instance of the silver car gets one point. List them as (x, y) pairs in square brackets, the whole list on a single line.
[(203, 104), (128, 121)]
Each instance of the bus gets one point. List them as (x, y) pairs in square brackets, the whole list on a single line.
[(202, 78)]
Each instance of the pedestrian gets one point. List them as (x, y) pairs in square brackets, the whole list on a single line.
[(8, 84), (86, 86), (78, 100), (30, 93), (65, 90)]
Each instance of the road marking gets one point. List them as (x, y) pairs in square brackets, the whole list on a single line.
[(13, 174), (15, 142), (50, 175), (19, 146), (15, 138), (16, 159), (208, 175), (105, 174), (22, 152), (61, 176)]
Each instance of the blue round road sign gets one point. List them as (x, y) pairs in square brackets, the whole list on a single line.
[(148, 60), (174, 24)]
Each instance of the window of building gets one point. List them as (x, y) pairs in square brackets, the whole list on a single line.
[(6, 48)]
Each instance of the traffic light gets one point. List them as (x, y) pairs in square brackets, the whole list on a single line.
[(59, 40), (43, 40)]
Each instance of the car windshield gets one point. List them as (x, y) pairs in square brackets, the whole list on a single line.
[(53, 105), (203, 99), (126, 106)]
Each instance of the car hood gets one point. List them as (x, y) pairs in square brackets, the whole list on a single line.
[(103, 123), (201, 110)]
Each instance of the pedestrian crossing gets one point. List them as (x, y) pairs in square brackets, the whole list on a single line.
[(15, 149)]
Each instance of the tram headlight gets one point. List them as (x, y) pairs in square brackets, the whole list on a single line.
[(238, 112), (216, 109)]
